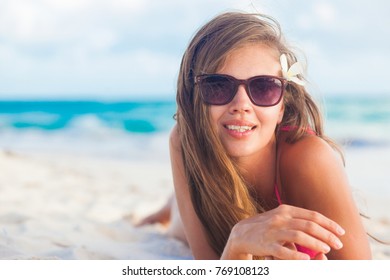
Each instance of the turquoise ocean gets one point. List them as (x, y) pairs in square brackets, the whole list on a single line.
[(140, 129)]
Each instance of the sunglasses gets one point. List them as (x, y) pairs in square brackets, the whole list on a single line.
[(216, 89)]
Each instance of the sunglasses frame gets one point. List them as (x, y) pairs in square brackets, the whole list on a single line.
[(237, 82)]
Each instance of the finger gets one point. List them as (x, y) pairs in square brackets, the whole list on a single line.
[(285, 253), (304, 240), (290, 246), (284, 227), (324, 237), (305, 214)]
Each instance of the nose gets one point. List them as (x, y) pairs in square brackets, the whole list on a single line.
[(241, 102)]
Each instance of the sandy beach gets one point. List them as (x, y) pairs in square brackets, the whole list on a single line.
[(71, 207), (63, 206)]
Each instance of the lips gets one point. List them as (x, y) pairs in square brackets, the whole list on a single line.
[(239, 128)]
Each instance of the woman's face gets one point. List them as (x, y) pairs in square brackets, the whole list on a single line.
[(246, 129)]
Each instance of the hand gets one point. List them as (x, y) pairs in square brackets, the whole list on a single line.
[(272, 233)]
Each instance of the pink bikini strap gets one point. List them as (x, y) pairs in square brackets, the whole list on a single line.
[(289, 128), (277, 194)]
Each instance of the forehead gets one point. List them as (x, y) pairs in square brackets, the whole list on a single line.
[(251, 60)]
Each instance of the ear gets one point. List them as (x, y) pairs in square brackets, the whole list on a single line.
[(281, 113)]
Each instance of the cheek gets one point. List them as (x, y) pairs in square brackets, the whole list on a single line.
[(281, 112), (270, 116), (215, 113), (280, 116)]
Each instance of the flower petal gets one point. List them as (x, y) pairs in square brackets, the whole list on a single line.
[(283, 63), (295, 69), (297, 81)]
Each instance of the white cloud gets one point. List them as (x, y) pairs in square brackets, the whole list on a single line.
[(325, 12), (96, 46), (319, 16), (58, 21), (129, 47)]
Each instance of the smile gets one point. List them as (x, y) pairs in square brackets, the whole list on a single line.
[(239, 128)]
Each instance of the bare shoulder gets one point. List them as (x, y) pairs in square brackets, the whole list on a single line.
[(309, 168), (312, 176), (308, 151)]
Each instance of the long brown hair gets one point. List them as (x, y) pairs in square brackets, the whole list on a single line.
[(220, 196)]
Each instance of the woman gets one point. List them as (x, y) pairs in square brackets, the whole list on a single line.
[(254, 174)]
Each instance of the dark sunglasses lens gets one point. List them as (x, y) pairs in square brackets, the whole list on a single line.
[(217, 90), (266, 91)]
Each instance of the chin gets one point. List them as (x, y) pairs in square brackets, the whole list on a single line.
[(239, 153)]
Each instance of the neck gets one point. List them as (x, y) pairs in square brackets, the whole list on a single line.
[(258, 171)]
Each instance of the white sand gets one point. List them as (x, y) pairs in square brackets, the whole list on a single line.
[(65, 207), (68, 207)]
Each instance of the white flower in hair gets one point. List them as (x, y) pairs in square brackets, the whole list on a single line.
[(290, 74)]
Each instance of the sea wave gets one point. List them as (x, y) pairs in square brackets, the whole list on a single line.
[(140, 129), (132, 117)]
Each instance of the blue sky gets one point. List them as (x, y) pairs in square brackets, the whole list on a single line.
[(126, 49)]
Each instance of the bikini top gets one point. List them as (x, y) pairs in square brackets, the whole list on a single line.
[(300, 248)]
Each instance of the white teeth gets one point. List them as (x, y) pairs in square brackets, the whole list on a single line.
[(239, 128)]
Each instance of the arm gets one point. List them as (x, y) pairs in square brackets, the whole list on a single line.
[(312, 176), (193, 228), (266, 234)]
